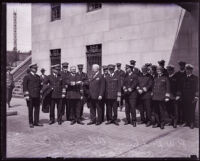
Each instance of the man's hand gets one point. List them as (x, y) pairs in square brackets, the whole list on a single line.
[(100, 98), (79, 82), (118, 99), (129, 89), (166, 99), (63, 96), (140, 91), (72, 83), (177, 98), (27, 98), (81, 97), (196, 99)]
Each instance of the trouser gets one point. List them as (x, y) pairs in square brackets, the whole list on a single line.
[(158, 110), (181, 115), (58, 102), (189, 110), (81, 107), (9, 94), (172, 109), (130, 108), (103, 109), (145, 109), (33, 103), (111, 105), (96, 106), (75, 107), (66, 108)]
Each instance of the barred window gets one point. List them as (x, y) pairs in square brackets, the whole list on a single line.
[(55, 11), (93, 6)]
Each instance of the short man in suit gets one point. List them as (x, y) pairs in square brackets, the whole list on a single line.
[(74, 95), (190, 95), (144, 89), (56, 84), (43, 76), (112, 95), (130, 95), (9, 85), (161, 63), (96, 91), (181, 74), (160, 95), (153, 71), (65, 103), (82, 76), (121, 75), (172, 105), (32, 88), (134, 69)]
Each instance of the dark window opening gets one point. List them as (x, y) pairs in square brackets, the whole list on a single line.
[(55, 11), (55, 56), (94, 56), (93, 6)]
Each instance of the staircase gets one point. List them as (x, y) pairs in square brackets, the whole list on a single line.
[(18, 74)]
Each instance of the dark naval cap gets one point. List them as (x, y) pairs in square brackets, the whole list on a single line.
[(42, 70), (80, 66), (170, 67), (118, 64), (189, 66), (105, 67), (65, 64), (33, 65), (181, 63), (161, 62), (111, 66), (128, 66), (57, 66), (132, 62)]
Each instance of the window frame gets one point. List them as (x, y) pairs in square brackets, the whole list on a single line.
[(93, 9), (54, 6)]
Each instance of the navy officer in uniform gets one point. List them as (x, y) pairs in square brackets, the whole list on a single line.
[(161, 63), (58, 92), (112, 95), (96, 91), (32, 89), (134, 69)]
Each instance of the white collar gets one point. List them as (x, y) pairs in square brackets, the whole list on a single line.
[(112, 74), (96, 74), (189, 75), (171, 75), (130, 73), (32, 73)]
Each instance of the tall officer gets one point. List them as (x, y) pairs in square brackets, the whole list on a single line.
[(181, 74), (56, 84), (96, 91), (172, 105), (153, 71), (43, 76), (144, 89), (9, 86), (161, 94), (75, 95), (105, 74), (130, 94), (32, 88), (190, 95), (112, 95), (134, 69), (65, 103), (84, 82), (161, 63), (121, 75)]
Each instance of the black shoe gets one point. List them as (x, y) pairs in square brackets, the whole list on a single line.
[(38, 124), (134, 123), (98, 123), (80, 122), (72, 122), (31, 125), (126, 123), (116, 123), (155, 126), (191, 125), (108, 122), (162, 126), (148, 124), (91, 122), (142, 122), (51, 122), (175, 125), (59, 122)]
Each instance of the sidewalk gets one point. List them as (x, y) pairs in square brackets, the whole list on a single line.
[(94, 141)]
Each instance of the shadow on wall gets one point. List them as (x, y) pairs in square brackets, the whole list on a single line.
[(186, 44)]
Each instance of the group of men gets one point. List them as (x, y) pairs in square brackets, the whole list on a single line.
[(162, 95)]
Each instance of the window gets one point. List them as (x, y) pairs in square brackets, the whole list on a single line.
[(93, 6), (94, 56), (55, 56), (55, 11)]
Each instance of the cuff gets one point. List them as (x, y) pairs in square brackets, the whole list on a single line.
[(167, 95), (145, 89), (138, 87), (26, 93), (119, 94), (63, 91)]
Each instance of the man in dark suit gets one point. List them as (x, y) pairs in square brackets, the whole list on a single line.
[(112, 95), (65, 103), (96, 91), (134, 69), (84, 82), (153, 71), (121, 75), (9, 86), (32, 88), (56, 84), (43, 76), (190, 95), (144, 89), (75, 95), (160, 95), (105, 74), (172, 105), (161, 63), (130, 95), (181, 74)]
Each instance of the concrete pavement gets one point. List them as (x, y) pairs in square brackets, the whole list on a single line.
[(82, 141)]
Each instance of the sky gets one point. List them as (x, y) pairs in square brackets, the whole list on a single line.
[(23, 26)]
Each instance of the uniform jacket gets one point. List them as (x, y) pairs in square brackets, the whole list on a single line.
[(161, 88), (74, 91), (180, 78), (64, 74), (145, 84), (96, 86), (121, 75), (136, 71), (130, 81), (43, 78), (84, 78), (56, 84), (190, 87), (174, 87), (113, 86), (32, 85)]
